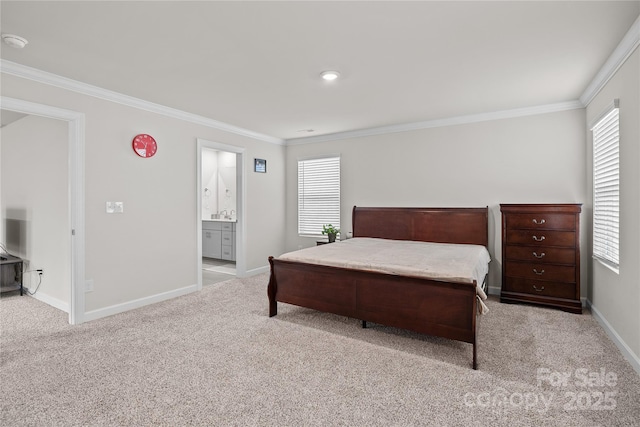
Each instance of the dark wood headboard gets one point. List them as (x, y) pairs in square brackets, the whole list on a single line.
[(439, 225)]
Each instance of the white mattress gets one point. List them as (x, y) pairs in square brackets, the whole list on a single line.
[(435, 261)]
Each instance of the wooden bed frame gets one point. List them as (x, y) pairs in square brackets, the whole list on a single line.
[(439, 308)]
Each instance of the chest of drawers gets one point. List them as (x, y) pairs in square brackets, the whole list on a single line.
[(541, 255)]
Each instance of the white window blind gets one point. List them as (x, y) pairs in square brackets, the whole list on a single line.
[(318, 194), (606, 188)]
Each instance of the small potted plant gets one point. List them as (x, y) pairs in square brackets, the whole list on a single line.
[(330, 231)]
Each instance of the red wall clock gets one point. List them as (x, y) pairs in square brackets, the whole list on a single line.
[(144, 145)]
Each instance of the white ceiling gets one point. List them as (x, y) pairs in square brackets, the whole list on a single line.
[(256, 65)]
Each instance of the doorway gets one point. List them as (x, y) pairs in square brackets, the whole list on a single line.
[(75, 202), (220, 207)]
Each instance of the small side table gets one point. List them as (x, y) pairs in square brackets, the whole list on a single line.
[(8, 263)]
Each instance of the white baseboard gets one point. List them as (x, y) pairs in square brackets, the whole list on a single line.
[(256, 271), (49, 300), (130, 305), (141, 302), (628, 354), (494, 290)]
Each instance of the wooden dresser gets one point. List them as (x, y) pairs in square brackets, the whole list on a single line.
[(541, 255)]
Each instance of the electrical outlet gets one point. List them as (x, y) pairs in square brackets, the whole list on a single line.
[(88, 285)]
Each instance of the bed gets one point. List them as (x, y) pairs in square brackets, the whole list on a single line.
[(440, 306)]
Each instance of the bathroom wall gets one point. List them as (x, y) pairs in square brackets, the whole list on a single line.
[(219, 183), (227, 183), (209, 182)]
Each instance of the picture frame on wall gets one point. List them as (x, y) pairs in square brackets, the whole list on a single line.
[(260, 165)]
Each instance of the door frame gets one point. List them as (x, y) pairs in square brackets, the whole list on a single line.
[(76, 184), (241, 268)]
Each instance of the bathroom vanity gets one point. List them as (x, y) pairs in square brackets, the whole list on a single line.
[(219, 239)]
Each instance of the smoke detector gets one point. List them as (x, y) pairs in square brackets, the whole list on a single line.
[(14, 41)]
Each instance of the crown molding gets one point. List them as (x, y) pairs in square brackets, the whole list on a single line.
[(625, 48), (449, 121), (51, 79)]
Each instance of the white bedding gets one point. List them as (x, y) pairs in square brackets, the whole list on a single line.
[(436, 261)]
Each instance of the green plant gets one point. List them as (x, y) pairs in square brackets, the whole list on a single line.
[(330, 229)]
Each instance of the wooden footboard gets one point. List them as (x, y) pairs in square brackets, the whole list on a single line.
[(439, 308), (443, 309)]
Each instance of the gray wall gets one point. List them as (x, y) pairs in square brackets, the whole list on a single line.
[(535, 159), (151, 249), (616, 296), (34, 175)]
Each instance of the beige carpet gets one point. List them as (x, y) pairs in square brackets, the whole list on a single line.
[(215, 358)]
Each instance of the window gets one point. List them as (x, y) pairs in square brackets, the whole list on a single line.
[(606, 187), (318, 194)]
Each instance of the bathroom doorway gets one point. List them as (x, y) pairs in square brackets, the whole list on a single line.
[(220, 212)]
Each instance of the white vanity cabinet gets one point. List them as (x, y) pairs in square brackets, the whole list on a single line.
[(219, 240)]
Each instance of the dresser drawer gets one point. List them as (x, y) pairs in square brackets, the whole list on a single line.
[(228, 226), (211, 225), (541, 254), (535, 287), (228, 238), (540, 271), (541, 238), (541, 221), (227, 253)]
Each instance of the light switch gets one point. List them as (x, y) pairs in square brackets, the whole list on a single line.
[(115, 207)]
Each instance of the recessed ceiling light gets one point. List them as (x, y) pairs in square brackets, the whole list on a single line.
[(330, 75), (14, 41)]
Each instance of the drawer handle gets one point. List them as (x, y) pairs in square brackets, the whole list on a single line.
[(539, 273), (542, 221), (539, 256), (538, 239), (538, 290)]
